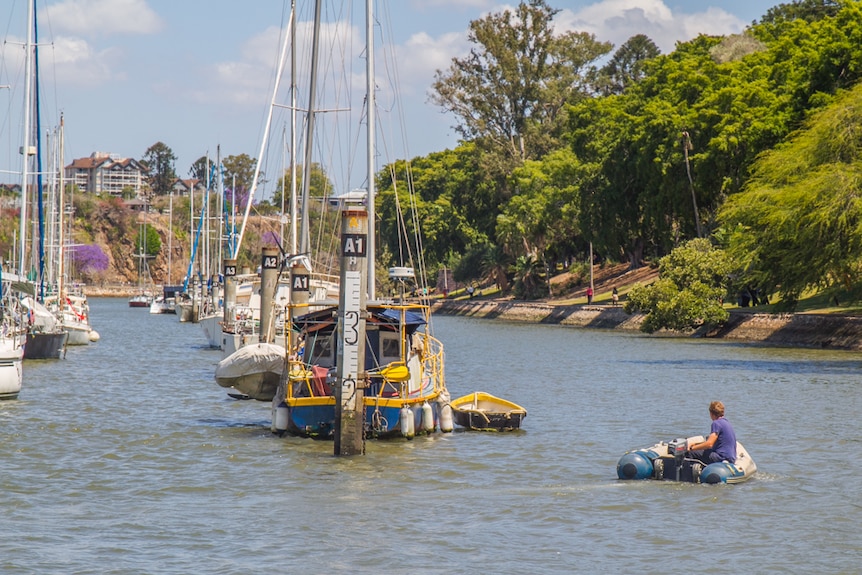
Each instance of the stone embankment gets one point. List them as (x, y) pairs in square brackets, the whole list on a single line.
[(114, 290), (791, 330)]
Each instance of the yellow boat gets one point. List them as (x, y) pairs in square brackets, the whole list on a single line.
[(485, 412)]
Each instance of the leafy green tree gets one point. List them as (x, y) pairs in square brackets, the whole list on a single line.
[(808, 10), (693, 280), (160, 160), (149, 241), (542, 217), (200, 169), (511, 88), (449, 198), (798, 223), (239, 174), (319, 187), (530, 278), (626, 66)]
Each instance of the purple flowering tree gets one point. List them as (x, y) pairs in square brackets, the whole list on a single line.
[(89, 260), (270, 239)]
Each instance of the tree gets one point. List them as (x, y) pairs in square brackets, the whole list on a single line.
[(626, 66), (798, 223), (319, 187), (454, 206), (808, 10), (239, 172), (148, 241), (88, 259), (513, 85), (160, 160), (693, 280), (200, 169), (542, 217), (530, 277)]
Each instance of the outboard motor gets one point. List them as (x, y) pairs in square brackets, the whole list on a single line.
[(677, 449)]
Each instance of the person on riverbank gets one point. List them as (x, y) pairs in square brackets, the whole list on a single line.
[(721, 443), (615, 297), (590, 295)]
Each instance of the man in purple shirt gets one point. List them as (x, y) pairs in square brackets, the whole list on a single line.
[(721, 443)]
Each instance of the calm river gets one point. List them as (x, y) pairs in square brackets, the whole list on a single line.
[(126, 457)]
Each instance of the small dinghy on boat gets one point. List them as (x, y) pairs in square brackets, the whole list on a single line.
[(485, 412), (254, 371), (667, 460)]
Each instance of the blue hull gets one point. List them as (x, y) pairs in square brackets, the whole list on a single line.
[(318, 421)]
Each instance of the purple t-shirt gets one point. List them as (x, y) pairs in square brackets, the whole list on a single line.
[(725, 445)]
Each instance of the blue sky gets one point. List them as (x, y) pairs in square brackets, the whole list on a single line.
[(198, 74)]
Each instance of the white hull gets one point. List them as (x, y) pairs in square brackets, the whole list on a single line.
[(11, 369), (212, 330), (79, 334), (158, 307)]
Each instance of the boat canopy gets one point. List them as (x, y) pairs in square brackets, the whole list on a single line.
[(386, 317), (412, 319)]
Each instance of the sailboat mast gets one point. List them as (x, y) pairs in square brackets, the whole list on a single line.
[(291, 26), (26, 149), (61, 238), (304, 246), (369, 72), (293, 214)]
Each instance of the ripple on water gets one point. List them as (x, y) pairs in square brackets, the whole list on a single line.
[(126, 457)]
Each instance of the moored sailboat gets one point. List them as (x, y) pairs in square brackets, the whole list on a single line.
[(364, 367), (46, 337), (13, 334)]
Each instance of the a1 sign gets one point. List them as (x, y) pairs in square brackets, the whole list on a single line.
[(299, 282), (353, 245)]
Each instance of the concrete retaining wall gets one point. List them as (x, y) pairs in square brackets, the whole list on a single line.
[(792, 330)]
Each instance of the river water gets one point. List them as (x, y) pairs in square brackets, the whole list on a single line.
[(126, 457)]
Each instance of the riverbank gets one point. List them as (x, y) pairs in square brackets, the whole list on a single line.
[(114, 290), (791, 330), (828, 331)]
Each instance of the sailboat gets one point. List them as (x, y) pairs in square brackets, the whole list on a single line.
[(363, 366), (46, 337), (254, 331), (67, 302), (144, 297), (13, 333)]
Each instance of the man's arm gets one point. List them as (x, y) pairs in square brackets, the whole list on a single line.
[(710, 441)]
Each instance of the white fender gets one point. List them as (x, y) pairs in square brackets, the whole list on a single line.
[(427, 418), (407, 424), (447, 420)]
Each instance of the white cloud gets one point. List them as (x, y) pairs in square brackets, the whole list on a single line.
[(77, 63), (618, 20), (422, 55), (104, 17), (452, 4)]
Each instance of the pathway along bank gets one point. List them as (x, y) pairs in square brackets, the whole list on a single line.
[(791, 330)]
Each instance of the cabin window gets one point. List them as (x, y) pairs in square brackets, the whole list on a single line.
[(390, 348), (321, 351)]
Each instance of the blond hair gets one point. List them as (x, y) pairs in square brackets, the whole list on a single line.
[(716, 408)]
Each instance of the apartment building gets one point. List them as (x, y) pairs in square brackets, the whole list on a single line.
[(107, 173)]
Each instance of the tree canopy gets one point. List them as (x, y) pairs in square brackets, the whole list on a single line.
[(160, 160), (798, 222), (693, 282), (512, 87)]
